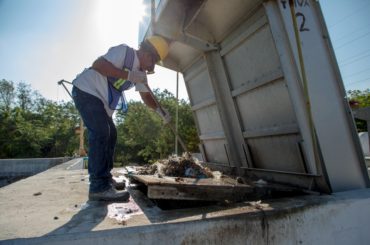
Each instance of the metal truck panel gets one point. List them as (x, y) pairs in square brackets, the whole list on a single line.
[(198, 83), (219, 18), (258, 55), (209, 120), (177, 50), (253, 110), (216, 151), (334, 129), (205, 112), (280, 153), (266, 107)]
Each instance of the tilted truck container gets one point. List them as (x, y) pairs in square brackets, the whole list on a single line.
[(265, 89)]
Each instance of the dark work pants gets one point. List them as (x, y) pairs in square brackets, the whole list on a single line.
[(102, 136)]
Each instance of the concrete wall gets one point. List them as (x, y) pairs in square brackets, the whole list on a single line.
[(14, 169), (28, 166), (364, 140), (342, 218)]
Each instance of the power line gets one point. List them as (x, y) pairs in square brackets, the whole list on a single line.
[(348, 34), (360, 81), (354, 56), (349, 15), (356, 73), (349, 42), (355, 60)]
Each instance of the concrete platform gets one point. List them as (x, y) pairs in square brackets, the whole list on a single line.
[(51, 208)]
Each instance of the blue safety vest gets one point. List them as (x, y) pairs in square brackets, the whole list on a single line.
[(117, 86)]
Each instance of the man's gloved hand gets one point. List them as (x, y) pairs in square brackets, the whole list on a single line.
[(164, 114), (137, 77)]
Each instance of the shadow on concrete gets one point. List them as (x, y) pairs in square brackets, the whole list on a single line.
[(90, 215), (156, 215)]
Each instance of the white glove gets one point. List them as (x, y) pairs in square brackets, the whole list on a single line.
[(164, 114), (137, 77)]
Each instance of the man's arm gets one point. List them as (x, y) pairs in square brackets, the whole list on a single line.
[(151, 102), (106, 68)]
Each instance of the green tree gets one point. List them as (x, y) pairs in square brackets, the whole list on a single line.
[(359, 99), (137, 135), (7, 128), (186, 125), (35, 126), (59, 121), (143, 138), (6, 94), (24, 95)]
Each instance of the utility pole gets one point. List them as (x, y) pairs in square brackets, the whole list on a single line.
[(177, 114), (81, 150)]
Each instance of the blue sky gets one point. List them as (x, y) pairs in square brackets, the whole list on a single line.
[(44, 41), (348, 23)]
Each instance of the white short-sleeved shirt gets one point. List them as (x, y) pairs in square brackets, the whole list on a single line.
[(94, 83)]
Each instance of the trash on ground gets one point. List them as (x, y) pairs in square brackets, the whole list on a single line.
[(177, 166), (123, 211), (127, 170), (119, 178)]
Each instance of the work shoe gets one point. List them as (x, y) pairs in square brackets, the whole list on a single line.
[(109, 195), (118, 185)]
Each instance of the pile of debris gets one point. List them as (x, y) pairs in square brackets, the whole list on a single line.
[(177, 166)]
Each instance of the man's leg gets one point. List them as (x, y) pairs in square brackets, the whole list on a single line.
[(97, 122), (112, 143)]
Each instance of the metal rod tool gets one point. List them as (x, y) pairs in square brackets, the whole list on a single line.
[(169, 125)]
